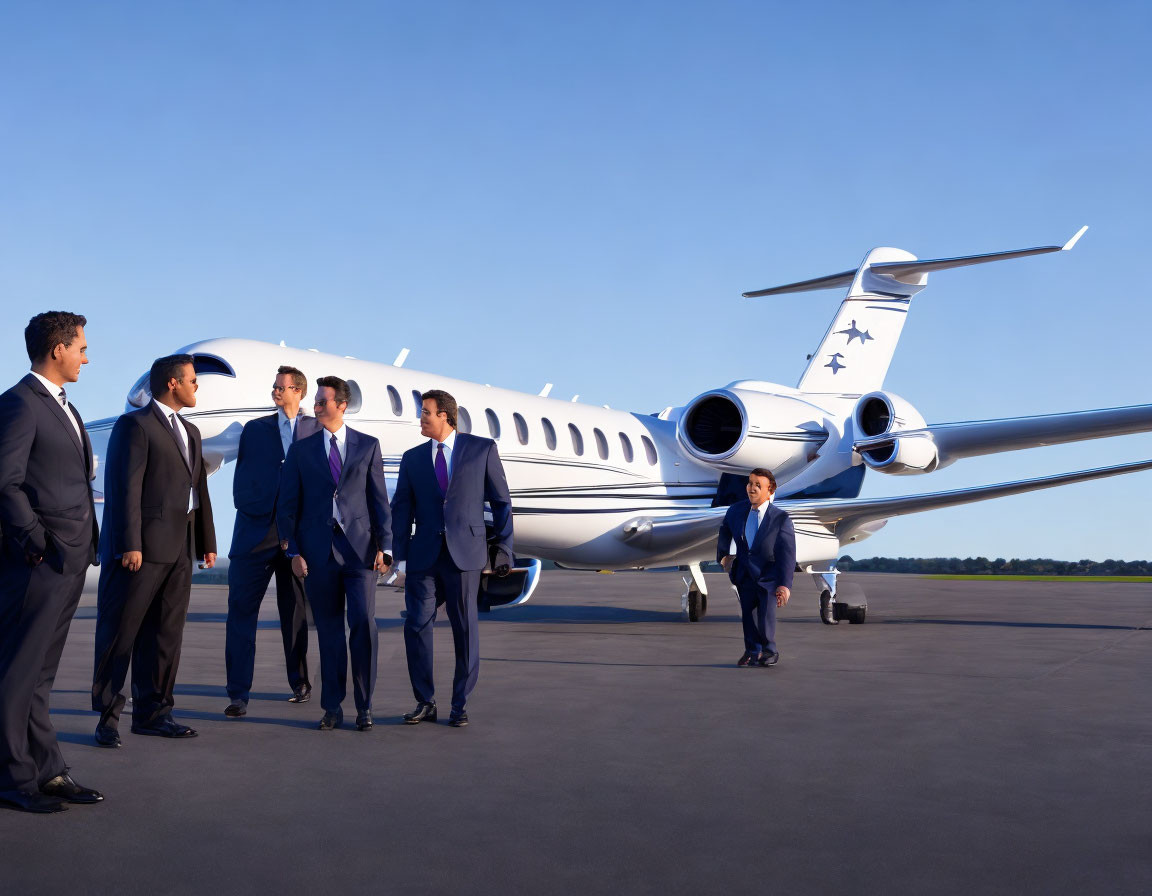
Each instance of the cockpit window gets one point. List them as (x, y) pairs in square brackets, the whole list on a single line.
[(207, 364), (139, 395)]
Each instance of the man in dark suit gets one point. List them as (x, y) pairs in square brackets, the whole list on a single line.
[(49, 530), (333, 519), (157, 513), (442, 487), (256, 555), (757, 548)]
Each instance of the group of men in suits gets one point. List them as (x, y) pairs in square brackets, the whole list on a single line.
[(312, 510)]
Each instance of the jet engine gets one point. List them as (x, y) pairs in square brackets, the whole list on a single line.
[(891, 436), (736, 430)]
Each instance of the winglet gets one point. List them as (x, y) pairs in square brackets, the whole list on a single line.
[(1072, 242)]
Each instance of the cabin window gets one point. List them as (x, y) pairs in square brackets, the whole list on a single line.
[(419, 402), (355, 398), (463, 420), (493, 423), (601, 444), (521, 428), (577, 440), (549, 433), (649, 449), (394, 400), (626, 447)]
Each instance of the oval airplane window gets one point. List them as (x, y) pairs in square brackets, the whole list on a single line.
[(355, 398), (627, 448), (649, 449), (394, 400), (601, 444), (577, 440), (419, 402), (463, 421), (521, 429), (493, 423), (549, 433)]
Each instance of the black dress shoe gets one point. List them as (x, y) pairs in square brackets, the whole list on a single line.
[(424, 712), (747, 659), (166, 727), (25, 801), (302, 693), (236, 708), (458, 719), (62, 787), (364, 720), (107, 736), (331, 720), (769, 659)]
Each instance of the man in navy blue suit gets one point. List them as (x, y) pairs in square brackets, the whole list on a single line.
[(757, 548), (255, 555), (334, 521), (442, 488)]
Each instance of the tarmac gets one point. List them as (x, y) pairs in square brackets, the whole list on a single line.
[(971, 737)]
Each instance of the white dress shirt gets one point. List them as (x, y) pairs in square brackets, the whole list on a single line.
[(449, 443), (167, 413), (55, 391)]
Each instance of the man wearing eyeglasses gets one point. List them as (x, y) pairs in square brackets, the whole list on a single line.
[(335, 522), (256, 555)]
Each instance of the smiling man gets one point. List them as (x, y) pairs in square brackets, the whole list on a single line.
[(49, 541), (757, 548), (333, 519), (157, 514)]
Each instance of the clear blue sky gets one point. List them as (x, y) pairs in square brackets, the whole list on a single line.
[(579, 193)]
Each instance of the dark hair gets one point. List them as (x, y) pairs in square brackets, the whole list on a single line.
[(767, 474), (170, 367), (50, 329), (444, 402), (298, 379), (343, 393)]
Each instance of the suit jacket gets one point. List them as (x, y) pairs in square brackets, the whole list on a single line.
[(456, 517), (304, 512), (46, 472), (256, 482), (771, 558), (146, 488)]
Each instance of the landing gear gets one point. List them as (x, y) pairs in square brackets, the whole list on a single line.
[(845, 603), (694, 600)]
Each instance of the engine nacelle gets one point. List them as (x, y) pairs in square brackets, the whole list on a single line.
[(880, 419), (736, 430)]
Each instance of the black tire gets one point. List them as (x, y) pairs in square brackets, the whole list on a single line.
[(697, 605), (856, 615)]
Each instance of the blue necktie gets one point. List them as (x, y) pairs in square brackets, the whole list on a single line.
[(441, 468), (334, 462), (752, 525), (286, 435)]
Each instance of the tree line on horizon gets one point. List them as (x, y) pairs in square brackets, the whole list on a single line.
[(982, 566)]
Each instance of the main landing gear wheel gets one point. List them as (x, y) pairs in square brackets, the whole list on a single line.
[(697, 605)]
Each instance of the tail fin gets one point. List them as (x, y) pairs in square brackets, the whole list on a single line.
[(857, 348)]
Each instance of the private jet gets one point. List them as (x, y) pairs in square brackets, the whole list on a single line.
[(598, 488)]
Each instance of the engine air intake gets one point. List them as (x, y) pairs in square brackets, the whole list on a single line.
[(714, 425)]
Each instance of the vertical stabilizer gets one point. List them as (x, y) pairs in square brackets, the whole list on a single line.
[(856, 350)]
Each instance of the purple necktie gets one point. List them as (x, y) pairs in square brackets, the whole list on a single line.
[(441, 468), (334, 462)]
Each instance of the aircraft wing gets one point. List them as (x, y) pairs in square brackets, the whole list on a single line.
[(687, 530), (957, 440), (849, 513)]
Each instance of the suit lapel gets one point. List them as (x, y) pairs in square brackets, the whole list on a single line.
[(58, 412), (351, 451), (163, 419), (459, 455)]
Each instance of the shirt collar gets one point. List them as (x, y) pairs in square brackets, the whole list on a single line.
[(164, 410), (284, 417), (341, 435), (449, 443), (52, 388)]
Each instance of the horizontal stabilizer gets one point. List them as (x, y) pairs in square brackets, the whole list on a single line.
[(911, 269), (972, 439), (851, 512)]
